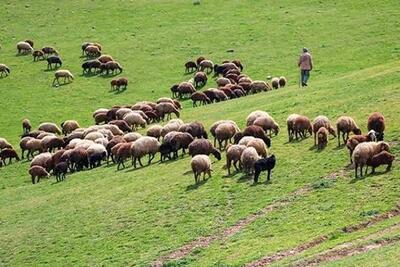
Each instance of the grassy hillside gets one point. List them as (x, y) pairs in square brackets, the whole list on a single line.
[(134, 217)]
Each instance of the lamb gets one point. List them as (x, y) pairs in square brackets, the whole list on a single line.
[(24, 48), (248, 159), (301, 125), (44, 160), (4, 69), (110, 66), (203, 146), (145, 145), (364, 152), (39, 172), (206, 65), (200, 79), (322, 137), (200, 97), (259, 145), (345, 125), (282, 81), (154, 131), (322, 121), (122, 125), (49, 127), (79, 159), (166, 109), (4, 144), (92, 51), (133, 119), (56, 60), (357, 139), (66, 74), (184, 89), (131, 137), (259, 86), (267, 123), (266, 164), (60, 171), (87, 66), (224, 133), (233, 154), (9, 154), (253, 130), (383, 158), (201, 164), (275, 83), (190, 66), (48, 50), (376, 122)]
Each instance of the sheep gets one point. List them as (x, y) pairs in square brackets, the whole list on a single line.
[(60, 171), (87, 66), (48, 50), (144, 107), (185, 89), (39, 172), (224, 133), (215, 125), (233, 154), (196, 129), (248, 159), (200, 97), (9, 154), (275, 83), (246, 87), (58, 157), (44, 134), (220, 95), (322, 137), (69, 126), (122, 82), (238, 93), (253, 130), (176, 103), (4, 144), (211, 95), (233, 78), (245, 140), (228, 92), (26, 126), (123, 151), (201, 164), (154, 131), (110, 66), (66, 74), (4, 69), (244, 79), (134, 119), (254, 115), (206, 65), (92, 51), (100, 110), (53, 144), (178, 140), (95, 159), (238, 64), (22, 145), (30, 42), (120, 113), (382, 158), (199, 60), (96, 148), (268, 124), (49, 127), (203, 146), (376, 122), (282, 81), (85, 144), (357, 139), (56, 60), (233, 71), (114, 130), (105, 58), (301, 125), (44, 160), (145, 145), (221, 69), (190, 66), (79, 159), (200, 79), (259, 145), (345, 125), (33, 145), (222, 81), (165, 151), (266, 164), (322, 121), (364, 152), (100, 118), (166, 108), (121, 124), (131, 137), (259, 86), (93, 136), (24, 48), (174, 90)]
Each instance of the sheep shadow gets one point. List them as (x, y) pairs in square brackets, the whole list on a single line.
[(195, 186), (259, 183), (110, 75), (89, 74), (244, 178), (51, 69), (2, 77), (339, 147), (22, 54), (56, 85), (295, 141), (117, 92)]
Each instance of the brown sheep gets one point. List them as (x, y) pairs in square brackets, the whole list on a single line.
[(38, 54), (238, 64), (201, 164), (322, 121), (110, 66), (154, 131), (26, 126), (185, 89), (24, 48), (39, 172), (376, 122), (203, 146), (282, 81), (30, 42), (302, 125), (48, 50), (9, 154), (275, 83), (79, 159), (357, 139), (200, 79), (206, 65), (200, 97), (69, 126), (322, 136), (383, 158), (364, 152), (122, 125), (259, 86), (224, 133), (220, 95), (101, 118), (166, 109), (268, 124), (222, 81), (66, 74), (228, 92), (196, 129), (199, 60), (105, 58), (92, 51), (233, 154), (49, 128), (190, 66), (345, 125), (255, 131)]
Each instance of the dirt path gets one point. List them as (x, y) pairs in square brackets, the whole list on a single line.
[(205, 241), (267, 260)]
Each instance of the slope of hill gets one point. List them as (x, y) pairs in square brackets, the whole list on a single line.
[(155, 213)]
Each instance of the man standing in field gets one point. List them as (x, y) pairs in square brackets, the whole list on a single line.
[(305, 64)]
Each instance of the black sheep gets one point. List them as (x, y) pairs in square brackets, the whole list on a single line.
[(60, 170), (266, 164), (53, 60)]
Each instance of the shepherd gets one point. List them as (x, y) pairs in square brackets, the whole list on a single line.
[(306, 65)]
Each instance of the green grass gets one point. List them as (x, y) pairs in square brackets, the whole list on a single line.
[(131, 217)]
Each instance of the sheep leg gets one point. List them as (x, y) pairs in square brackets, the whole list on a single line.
[(140, 162), (33, 179), (269, 175), (356, 167), (228, 166)]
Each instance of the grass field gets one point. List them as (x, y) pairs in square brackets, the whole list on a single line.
[(136, 217)]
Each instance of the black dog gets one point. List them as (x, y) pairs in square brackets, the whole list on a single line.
[(266, 164)]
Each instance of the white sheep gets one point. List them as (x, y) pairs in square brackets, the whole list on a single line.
[(145, 145), (66, 74), (154, 131), (134, 120), (248, 158), (132, 137), (259, 145), (254, 115)]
